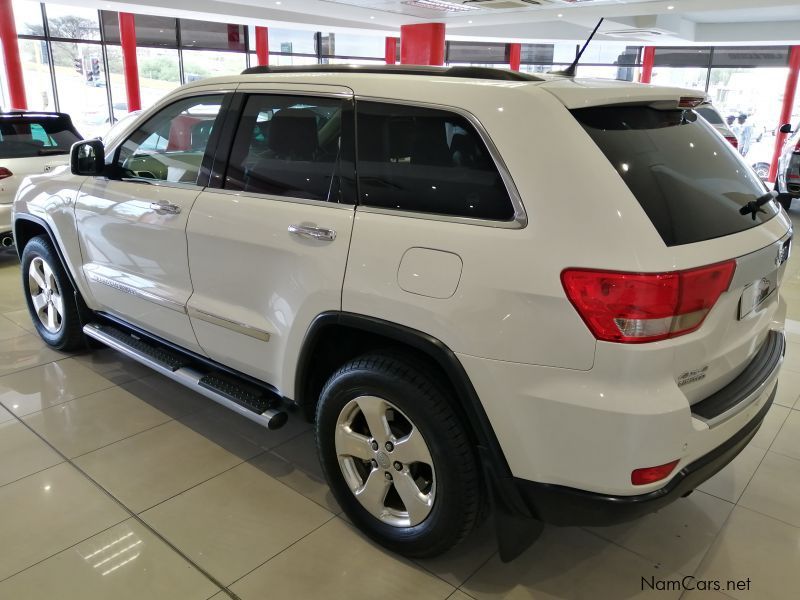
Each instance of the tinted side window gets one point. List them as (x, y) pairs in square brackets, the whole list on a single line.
[(170, 146), (290, 146), (427, 160)]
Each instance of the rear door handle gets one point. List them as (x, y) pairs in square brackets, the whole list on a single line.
[(165, 209), (313, 233)]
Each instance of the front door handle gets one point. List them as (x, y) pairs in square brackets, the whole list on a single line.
[(165, 209), (313, 233)]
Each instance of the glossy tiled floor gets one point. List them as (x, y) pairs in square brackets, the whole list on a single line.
[(117, 483)]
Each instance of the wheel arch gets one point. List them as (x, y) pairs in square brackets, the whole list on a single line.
[(335, 337)]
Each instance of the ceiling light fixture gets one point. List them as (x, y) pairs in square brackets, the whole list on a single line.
[(441, 5), (670, 7), (560, 15)]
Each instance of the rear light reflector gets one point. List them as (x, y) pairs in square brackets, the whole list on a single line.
[(634, 308), (733, 141), (652, 474), (690, 102), (4, 173)]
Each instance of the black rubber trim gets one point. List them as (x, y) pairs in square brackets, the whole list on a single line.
[(430, 71), (561, 505), (498, 474), (49, 231), (747, 383)]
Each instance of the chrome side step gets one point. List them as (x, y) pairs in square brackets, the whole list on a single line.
[(239, 396)]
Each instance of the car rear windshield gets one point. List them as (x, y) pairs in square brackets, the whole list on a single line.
[(22, 137), (690, 182), (710, 115)]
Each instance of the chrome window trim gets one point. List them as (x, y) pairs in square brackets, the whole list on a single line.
[(520, 220), (149, 296), (235, 326)]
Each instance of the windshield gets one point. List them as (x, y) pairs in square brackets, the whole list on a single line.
[(44, 135), (690, 182), (710, 115)]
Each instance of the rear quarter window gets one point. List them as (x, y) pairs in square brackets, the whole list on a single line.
[(428, 161), (689, 181)]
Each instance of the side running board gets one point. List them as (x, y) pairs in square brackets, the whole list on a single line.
[(239, 395)]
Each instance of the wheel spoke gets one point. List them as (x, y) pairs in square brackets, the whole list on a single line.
[(374, 410), (36, 275), (39, 302), (372, 494), (49, 279), (350, 443), (51, 318), (412, 449), (417, 504), (58, 304)]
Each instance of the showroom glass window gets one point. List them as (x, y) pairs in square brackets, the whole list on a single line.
[(427, 160), (171, 145), (292, 146)]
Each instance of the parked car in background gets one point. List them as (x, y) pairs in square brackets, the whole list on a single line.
[(30, 143), (788, 180), (712, 115)]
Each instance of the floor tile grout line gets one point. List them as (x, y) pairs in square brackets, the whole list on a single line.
[(131, 514), (475, 571), (2, 485), (297, 541), (57, 552), (736, 505)]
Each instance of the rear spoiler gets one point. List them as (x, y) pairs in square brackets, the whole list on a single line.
[(585, 93)]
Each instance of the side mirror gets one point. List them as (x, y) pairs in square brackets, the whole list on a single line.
[(87, 157), (786, 128)]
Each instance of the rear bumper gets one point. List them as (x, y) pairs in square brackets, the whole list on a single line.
[(562, 505), (5, 218)]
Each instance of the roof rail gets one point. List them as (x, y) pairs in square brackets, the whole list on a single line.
[(465, 72)]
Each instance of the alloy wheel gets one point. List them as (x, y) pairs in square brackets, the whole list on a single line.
[(385, 461), (45, 294)]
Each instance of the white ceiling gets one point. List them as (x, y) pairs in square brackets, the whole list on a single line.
[(672, 21)]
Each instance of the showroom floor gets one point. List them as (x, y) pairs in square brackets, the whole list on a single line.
[(117, 483)]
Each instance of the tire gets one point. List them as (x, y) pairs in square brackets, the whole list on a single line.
[(51, 299), (447, 494)]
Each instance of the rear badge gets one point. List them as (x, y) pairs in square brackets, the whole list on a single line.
[(692, 376)]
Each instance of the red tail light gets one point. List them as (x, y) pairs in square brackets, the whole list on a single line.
[(733, 141), (632, 308), (5, 173), (652, 474)]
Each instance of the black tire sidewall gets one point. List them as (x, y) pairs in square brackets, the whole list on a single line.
[(69, 336), (443, 525)]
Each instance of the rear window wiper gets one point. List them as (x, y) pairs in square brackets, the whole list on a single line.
[(754, 206)]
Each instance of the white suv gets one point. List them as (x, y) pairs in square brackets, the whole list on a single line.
[(556, 298)]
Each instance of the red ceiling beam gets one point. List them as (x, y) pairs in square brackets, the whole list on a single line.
[(422, 44), (262, 45), (786, 110), (8, 38), (127, 37)]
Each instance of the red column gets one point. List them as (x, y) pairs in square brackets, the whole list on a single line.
[(514, 56), (422, 44), (262, 45), (391, 50), (786, 110), (127, 37), (8, 38), (648, 58)]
